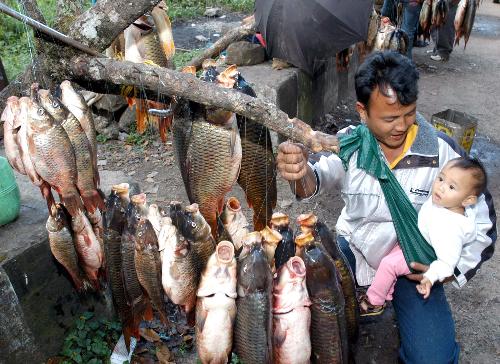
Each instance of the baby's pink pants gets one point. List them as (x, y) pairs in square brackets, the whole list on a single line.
[(391, 267)]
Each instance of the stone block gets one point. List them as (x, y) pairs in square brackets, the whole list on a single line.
[(106, 126), (110, 103), (245, 54), (127, 119)]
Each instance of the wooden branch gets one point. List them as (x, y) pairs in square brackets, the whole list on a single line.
[(102, 23), (174, 83), (223, 42)]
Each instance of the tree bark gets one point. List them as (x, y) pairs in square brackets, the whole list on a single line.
[(174, 83), (102, 23), (231, 36)]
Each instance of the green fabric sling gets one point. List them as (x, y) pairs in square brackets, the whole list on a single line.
[(414, 246)]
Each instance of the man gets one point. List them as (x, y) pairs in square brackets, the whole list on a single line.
[(444, 36), (386, 89), (411, 15)]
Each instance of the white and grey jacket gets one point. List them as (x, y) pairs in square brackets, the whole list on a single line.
[(366, 222)]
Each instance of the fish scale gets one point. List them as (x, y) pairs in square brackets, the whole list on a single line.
[(214, 157), (148, 266), (112, 245), (250, 331), (257, 174), (325, 331)]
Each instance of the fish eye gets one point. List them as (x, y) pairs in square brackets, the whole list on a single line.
[(193, 225), (55, 104), (40, 111)]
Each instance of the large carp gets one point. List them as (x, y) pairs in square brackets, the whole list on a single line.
[(208, 150), (328, 327), (309, 223), (291, 314), (286, 247), (216, 306), (258, 167), (253, 327)]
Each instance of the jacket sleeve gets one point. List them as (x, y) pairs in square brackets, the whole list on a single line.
[(474, 253), (447, 244), (328, 170)]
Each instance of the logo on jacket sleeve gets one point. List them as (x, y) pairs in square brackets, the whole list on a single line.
[(419, 192)]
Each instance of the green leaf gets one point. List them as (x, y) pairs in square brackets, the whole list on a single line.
[(87, 315), (80, 324), (77, 357), (93, 325)]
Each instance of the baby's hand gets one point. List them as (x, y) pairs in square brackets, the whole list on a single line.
[(424, 287)]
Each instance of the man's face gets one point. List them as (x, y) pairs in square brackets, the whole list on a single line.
[(387, 119), (453, 189)]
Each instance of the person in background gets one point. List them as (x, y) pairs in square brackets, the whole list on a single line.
[(444, 36), (411, 15)]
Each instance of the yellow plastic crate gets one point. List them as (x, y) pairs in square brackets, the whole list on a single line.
[(458, 125)]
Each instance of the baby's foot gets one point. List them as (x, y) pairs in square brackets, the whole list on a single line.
[(367, 309)]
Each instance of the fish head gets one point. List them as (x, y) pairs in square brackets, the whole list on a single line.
[(232, 207), (195, 226), (145, 235), (228, 77), (114, 216), (11, 113), (254, 273), (58, 218), (242, 85), (289, 288), (320, 268), (224, 252), (209, 73), (38, 118), (248, 242), (307, 220), (70, 97), (155, 215), (279, 221), (270, 237), (135, 210), (52, 105)]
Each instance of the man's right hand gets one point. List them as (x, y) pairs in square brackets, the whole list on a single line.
[(291, 161)]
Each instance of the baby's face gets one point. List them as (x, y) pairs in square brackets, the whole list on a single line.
[(451, 187)]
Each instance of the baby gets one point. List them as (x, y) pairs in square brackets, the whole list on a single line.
[(446, 221)]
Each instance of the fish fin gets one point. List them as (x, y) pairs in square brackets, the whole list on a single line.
[(72, 202), (92, 200), (47, 195), (148, 312), (279, 334), (258, 224), (141, 115)]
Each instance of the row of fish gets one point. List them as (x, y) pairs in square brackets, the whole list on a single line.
[(53, 142), (382, 35), (432, 14), (216, 148), (464, 19), (308, 312)]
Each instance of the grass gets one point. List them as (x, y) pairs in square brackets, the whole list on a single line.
[(16, 39)]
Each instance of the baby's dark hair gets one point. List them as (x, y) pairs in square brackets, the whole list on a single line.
[(477, 170)]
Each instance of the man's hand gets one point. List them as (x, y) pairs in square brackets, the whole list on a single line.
[(424, 287), (292, 161)]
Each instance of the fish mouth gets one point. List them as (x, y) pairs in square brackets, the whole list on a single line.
[(139, 199), (121, 188), (225, 252), (304, 239), (233, 204), (280, 219), (296, 266), (271, 236), (252, 238), (308, 219)]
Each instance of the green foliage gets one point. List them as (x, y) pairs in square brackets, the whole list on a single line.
[(181, 58), (91, 340), (102, 138), (184, 9), (235, 359)]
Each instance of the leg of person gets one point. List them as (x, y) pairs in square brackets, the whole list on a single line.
[(388, 9), (411, 15), (426, 326), (446, 35), (392, 266)]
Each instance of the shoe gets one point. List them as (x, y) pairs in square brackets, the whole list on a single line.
[(367, 309), (438, 58), (430, 51)]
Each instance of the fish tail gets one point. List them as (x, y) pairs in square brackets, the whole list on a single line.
[(72, 202), (141, 115), (47, 195), (92, 200), (164, 125)]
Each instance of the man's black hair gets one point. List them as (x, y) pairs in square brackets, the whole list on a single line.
[(387, 70), (477, 170)]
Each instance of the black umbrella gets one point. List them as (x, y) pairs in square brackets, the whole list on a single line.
[(308, 32)]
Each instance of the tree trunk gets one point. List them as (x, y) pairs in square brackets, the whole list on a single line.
[(174, 83), (231, 36)]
